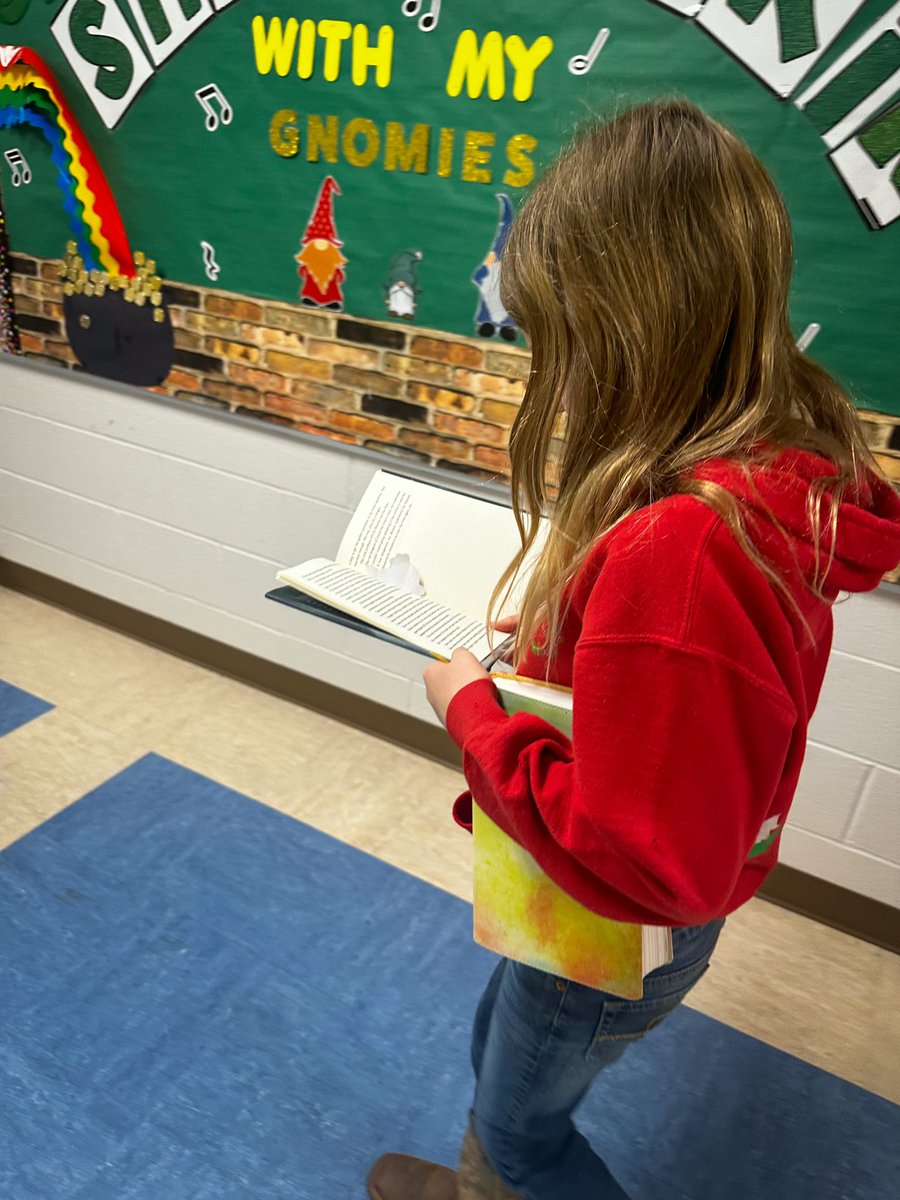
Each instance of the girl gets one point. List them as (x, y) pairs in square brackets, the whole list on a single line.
[(714, 496)]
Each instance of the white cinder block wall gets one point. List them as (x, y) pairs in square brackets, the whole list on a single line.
[(186, 514)]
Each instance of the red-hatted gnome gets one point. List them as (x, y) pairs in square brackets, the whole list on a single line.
[(320, 261)]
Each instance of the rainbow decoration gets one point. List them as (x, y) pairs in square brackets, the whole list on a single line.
[(30, 95)]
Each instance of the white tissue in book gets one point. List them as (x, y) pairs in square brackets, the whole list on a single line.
[(400, 573)]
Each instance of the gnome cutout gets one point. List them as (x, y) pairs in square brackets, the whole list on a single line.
[(490, 316), (401, 289), (320, 261)]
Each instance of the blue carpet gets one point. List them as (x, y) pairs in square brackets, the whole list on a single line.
[(18, 707), (203, 999)]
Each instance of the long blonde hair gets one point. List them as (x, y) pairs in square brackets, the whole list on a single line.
[(650, 270)]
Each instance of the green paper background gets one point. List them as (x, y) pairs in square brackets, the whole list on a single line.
[(177, 184)]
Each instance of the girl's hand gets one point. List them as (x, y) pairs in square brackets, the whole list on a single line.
[(444, 680)]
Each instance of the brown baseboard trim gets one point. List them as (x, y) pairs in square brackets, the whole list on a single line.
[(870, 920), (374, 718)]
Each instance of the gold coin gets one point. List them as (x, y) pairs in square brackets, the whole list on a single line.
[(159, 315), (84, 321)]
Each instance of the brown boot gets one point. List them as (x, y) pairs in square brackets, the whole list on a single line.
[(399, 1177), (477, 1178)]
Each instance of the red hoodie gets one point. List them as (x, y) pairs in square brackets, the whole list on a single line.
[(694, 681)]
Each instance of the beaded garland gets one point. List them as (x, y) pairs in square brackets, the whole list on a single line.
[(9, 333)]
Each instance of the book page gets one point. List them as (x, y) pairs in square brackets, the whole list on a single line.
[(656, 946), (459, 545), (379, 521), (417, 619)]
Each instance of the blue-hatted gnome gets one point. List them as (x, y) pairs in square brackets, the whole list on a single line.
[(401, 288), (490, 315)]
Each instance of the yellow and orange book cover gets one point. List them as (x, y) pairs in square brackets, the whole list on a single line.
[(521, 913)]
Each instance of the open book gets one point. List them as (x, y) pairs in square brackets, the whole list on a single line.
[(522, 914), (418, 562)]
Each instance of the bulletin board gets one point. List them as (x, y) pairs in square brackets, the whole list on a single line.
[(367, 156)]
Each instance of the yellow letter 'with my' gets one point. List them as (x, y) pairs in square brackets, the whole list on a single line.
[(474, 64), (274, 45), (525, 62), (380, 56), (333, 34)]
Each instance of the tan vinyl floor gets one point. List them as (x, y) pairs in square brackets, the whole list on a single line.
[(816, 993)]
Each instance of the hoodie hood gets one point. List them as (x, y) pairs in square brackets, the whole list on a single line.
[(776, 493)]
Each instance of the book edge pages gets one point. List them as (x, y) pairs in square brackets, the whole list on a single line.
[(559, 696), (283, 576), (302, 585), (657, 947), (311, 606), (541, 683)]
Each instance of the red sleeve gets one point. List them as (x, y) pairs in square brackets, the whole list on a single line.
[(649, 812)]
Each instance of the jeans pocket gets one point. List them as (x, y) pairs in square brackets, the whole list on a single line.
[(629, 1020)]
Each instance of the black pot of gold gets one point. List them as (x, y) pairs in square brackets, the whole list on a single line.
[(118, 325)]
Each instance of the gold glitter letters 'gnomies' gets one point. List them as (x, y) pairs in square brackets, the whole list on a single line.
[(419, 149)]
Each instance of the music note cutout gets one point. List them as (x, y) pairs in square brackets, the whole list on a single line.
[(21, 172), (580, 64), (206, 95), (428, 21), (209, 261)]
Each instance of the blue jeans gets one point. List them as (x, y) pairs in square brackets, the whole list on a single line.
[(537, 1046)]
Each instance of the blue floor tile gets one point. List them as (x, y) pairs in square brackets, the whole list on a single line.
[(202, 998), (18, 707)]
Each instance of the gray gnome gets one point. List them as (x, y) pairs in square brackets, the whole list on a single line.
[(401, 289)]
